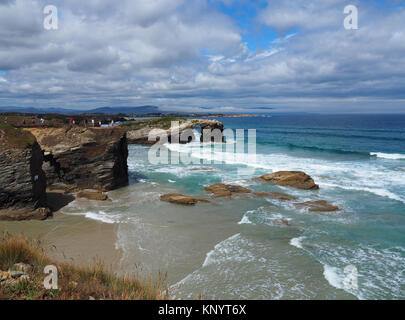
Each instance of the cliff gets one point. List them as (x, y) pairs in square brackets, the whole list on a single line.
[(84, 158), (22, 180), (138, 131)]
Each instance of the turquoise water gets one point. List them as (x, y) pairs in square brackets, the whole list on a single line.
[(238, 248)]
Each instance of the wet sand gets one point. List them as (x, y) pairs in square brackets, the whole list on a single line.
[(73, 239)]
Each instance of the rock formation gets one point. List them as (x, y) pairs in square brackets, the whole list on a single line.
[(275, 195), (211, 130), (181, 199), (92, 195), (139, 132), (318, 206), (22, 180), (84, 158), (295, 179), (220, 190)]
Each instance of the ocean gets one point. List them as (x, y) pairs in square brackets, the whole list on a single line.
[(238, 249)]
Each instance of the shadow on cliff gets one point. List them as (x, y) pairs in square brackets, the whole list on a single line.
[(57, 201)]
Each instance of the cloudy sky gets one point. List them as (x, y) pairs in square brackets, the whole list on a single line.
[(200, 55)]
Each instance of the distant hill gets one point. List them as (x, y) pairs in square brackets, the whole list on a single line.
[(104, 110), (125, 110)]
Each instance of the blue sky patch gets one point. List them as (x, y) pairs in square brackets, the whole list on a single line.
[(244, 13)]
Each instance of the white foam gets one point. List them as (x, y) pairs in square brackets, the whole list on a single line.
[(333, 276), (174, 170), (245, 220), (380, 271), (378, 191), (297, 242), (218, 154), (220, 246), (98, 216), (391, 156)]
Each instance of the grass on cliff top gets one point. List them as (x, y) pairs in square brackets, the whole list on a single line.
[(74, 283), (30, 121), (14, 137), (161, 123)]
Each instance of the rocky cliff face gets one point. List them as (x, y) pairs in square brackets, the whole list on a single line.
[(84, 158), (211, 130), (139, 132), (22, 183)]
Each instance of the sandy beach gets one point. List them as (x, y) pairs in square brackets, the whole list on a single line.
[(71, 238)]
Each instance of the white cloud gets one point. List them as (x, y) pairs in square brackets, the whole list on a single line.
[(186, 54)]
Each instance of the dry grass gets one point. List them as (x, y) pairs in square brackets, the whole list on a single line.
[(27, 121), (74, 283), (14, 137)]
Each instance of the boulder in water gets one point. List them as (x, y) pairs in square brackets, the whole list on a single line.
[(275, 195), (92, 195), (226, 190), (295, 179), (318, 206), (178, 198)]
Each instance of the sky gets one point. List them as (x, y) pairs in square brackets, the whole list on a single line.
[(205, 55)]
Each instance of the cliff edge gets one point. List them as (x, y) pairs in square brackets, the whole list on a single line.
[(22, 180), (84, 158), (138, 131)]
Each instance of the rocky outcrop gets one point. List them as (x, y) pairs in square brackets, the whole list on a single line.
[(295, 179), (275, 195), (211, 130), (318, 206), (92, 195), (141, 132), (181, 199), (84, 158), (220, 190), (22, 183)]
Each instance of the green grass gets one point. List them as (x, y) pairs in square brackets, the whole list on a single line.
[(162, 123), (15, 137)]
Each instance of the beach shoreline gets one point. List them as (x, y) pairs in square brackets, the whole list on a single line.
[(72, 239)]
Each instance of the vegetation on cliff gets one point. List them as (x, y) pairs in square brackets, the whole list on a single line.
[(161, 123), (74, 282), (11, 137)]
